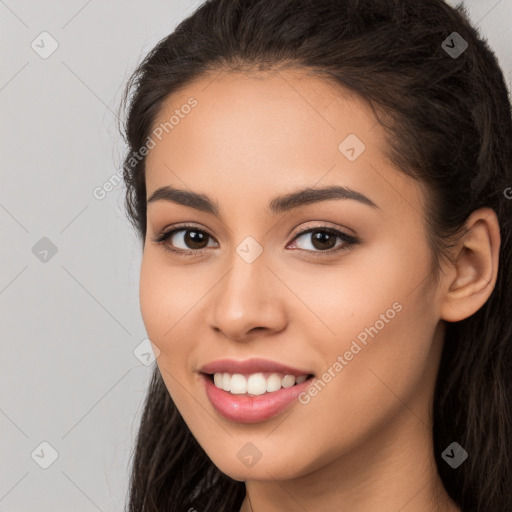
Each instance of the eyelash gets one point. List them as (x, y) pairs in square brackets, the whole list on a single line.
[(163, 236)]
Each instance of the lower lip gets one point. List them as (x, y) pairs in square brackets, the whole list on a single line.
[(252, 409)]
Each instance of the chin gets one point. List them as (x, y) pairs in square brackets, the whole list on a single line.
[(262, 470)]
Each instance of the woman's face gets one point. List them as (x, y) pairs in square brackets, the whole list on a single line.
[(361, 316)]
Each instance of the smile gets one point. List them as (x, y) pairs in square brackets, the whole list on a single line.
[(239, 406), (256, 383)]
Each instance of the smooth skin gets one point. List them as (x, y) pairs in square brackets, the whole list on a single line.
[(364, 442)]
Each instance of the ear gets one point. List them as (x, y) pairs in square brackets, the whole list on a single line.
[(472, 274)]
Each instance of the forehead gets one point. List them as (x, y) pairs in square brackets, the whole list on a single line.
[(250, 133), (271, 100)]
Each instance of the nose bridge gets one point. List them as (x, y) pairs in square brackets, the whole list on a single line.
[(246, 297), (245, 285)]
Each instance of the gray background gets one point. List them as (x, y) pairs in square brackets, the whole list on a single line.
[(70, 323)]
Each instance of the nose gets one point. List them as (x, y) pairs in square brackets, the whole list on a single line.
[(248, 301)]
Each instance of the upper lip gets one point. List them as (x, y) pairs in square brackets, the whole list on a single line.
[(249, 366)]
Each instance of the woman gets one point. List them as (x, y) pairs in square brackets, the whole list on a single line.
[(321, 193)]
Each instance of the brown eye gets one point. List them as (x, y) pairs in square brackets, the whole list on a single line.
[(193, 239), (184, 239), (323, 240)]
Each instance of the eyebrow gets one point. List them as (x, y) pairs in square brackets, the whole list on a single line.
[(279, 204)]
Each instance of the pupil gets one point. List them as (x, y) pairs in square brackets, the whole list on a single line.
[(323, 237), (194, 238)]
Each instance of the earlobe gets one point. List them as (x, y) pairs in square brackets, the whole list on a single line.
[(474, 268)]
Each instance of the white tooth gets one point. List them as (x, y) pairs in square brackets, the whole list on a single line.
[(217, 379), (226, 381), (273, 383), (238, 384), (288, 381), (256, 384)]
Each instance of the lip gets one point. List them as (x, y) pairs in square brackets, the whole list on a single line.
[(252, 409), (254, 365)]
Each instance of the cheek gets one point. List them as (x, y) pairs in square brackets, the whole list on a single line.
[(364, 290), (153, 300), (164, 302), (378, 322), (167, 302), (168, 297), (172, 301)]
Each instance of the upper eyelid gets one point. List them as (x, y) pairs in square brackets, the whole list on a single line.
[(186, 227), (300, 231)]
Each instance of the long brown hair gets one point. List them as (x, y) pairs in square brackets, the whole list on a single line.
[(448, 121)]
